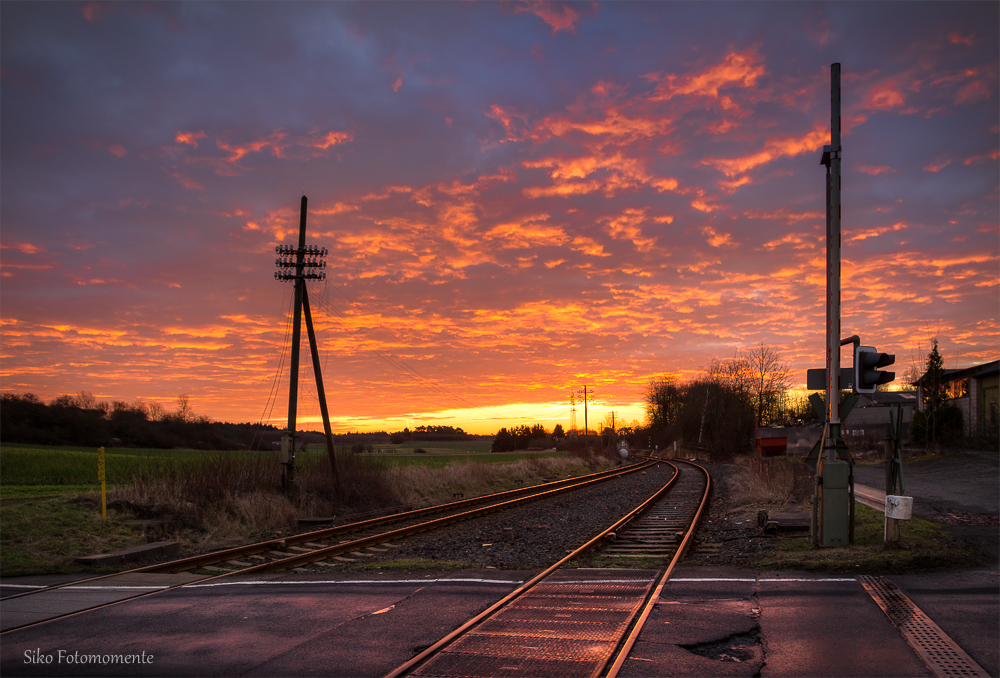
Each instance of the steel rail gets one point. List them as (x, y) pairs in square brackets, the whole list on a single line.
[(658, 589), (194, 562), (319, 554), (429, 652), (347, 547)]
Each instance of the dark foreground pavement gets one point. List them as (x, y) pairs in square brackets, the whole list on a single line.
[(709, 622)]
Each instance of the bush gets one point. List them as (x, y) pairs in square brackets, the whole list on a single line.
[(942, 426)]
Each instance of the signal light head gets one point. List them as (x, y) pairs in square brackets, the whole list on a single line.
[(867, 361)]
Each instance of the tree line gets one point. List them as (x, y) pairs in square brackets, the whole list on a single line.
[(524, 437), (719, 410), (82, 420)]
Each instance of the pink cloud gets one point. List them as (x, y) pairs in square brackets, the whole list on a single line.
[(561, 16)]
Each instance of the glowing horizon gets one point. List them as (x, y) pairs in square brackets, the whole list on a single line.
[(519, 199)]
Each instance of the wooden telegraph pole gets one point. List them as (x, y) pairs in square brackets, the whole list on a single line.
[(306, 264)]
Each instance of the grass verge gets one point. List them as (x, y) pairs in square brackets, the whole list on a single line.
[(42, 534), (51, 511), (923, 545)]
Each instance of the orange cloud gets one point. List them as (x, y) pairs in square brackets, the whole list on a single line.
[(589, 246), (613, 124), (773, 149), (527, 233), (884, 98), (738, 69), (853, 235), (716, 239), (514, 124), (22, 247), (331, 139), (733, 186), (798, 241), (190, 138), (628, 226), (785, 215), (874, 170)]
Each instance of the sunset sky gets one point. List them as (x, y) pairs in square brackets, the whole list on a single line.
[(519, 198)]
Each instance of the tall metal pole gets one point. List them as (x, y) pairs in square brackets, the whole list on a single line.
[(833, 271), (833, 510), (293, 385), (585, 429)]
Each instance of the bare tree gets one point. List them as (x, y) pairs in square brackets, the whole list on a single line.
[(662, 402), (155, 411), (184, 411), (85, 400), (767, 381)]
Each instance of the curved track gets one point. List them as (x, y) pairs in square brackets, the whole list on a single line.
[(570, 622)]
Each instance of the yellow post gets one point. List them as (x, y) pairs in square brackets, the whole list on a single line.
[(100, 474)]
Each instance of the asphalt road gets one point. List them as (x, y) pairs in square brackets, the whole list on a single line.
[(709, 622)]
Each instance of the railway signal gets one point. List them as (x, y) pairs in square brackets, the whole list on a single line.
[(833, 508), (867, 361)]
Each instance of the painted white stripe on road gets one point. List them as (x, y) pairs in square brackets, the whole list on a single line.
[(351, 581), (776, 579), (328, 582)]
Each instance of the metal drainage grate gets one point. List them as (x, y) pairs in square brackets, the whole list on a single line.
[(942, 655)]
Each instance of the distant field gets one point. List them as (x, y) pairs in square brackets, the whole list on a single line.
[(435, 457), (52, 467), (30, 465)]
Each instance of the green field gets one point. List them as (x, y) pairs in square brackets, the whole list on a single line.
[(74, 469), (77, 466)]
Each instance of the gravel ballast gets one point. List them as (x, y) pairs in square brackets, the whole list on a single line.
[(533, 535)]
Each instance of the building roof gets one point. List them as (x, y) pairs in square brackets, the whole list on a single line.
[(885, 398), (895, 397), (973, 372)]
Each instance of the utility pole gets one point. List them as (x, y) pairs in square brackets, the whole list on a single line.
[(306, 263), (585, 429)]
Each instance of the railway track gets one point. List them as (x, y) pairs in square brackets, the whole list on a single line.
[(320, 546), (576, 622)]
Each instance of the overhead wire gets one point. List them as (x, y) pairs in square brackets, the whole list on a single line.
[(272, 399)]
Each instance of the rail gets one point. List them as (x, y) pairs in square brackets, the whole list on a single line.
[(556, 583)]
